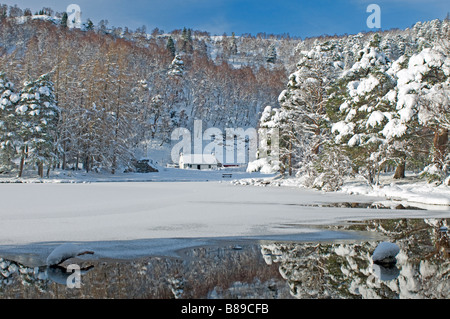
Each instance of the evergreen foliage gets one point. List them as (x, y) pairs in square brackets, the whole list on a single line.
[(171, 47), (360, 107)]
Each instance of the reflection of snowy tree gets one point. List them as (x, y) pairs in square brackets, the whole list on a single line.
[(12, 272), (300, 266), (19, 280), (347, 270), (176, 285)]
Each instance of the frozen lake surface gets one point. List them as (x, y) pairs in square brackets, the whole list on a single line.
[(128, 220)]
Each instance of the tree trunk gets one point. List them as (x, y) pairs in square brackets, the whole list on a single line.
[(290, 159), (22, 161), (400, 171), (371, 178), (316, 147), (40, 170), (440, 146), (86, 164), (64, 157), (114, 165)]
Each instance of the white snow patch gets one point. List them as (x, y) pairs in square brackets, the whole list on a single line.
[(394, 128), (375, 118), (354, 141), (262, 165)]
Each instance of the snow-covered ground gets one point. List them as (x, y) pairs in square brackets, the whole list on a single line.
[(138, 218)]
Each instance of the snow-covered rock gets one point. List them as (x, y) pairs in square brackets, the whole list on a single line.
[(385, 253), (64, 252)]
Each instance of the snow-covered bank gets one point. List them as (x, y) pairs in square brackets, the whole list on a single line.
[(419, 194), (411, 191)]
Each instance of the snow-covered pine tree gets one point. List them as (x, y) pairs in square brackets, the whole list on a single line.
[(271, 56), (302, 131), (406, 136), (421, 99), (8, 124), (186, 41), (64, 19), (233, 44), (47, 148), (177, 67), (358, 111), (89, 25), (39, 116), (25, 106), (267, 158), (170, 46)]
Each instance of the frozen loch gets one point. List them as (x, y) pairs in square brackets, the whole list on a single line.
[(141, 219)]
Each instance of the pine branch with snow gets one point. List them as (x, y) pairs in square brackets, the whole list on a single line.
[(8, 124), (38, 114)]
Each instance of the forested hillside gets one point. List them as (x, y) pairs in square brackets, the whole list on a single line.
[(120, 92)]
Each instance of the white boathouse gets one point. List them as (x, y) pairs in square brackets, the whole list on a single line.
[(199, 162)]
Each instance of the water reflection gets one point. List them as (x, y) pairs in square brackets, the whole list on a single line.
[(347, 270), (14, 275), (268, 270), (206, 272), (384, 273)]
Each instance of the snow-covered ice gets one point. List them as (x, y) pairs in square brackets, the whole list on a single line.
[(129, 219)]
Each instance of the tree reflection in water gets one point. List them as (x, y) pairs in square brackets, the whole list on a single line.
[(347, 271), (267, 271)]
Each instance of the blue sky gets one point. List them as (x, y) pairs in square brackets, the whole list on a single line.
[(302, 18)]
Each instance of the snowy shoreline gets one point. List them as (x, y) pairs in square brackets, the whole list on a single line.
[(412, 191), (416, 193)]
